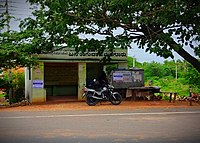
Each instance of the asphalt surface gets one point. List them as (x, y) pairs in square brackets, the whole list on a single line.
[(174, 125)]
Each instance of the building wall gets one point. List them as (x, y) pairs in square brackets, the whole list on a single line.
[(81, 79), (38, 93), (35, 83), (34, 87), (28, 84)]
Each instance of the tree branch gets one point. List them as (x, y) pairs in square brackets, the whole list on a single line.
[(176, 47)]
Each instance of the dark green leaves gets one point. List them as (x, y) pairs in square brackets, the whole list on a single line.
[(158, 26)]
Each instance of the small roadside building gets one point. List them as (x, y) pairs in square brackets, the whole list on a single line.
[(62, 74)]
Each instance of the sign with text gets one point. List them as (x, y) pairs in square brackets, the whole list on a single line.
[(38, 83), (126, 78), (118, 54), (122, 76)]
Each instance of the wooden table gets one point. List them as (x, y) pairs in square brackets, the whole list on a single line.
[(170, 95), (135, 91)]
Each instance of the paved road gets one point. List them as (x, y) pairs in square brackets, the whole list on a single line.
[(177, 125)]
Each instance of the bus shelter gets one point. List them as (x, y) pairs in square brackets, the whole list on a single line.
[(62, 74)]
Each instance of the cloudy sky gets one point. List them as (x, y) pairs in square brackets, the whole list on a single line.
[(20, 9)]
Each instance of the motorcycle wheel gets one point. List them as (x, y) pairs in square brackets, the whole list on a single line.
[(90, 100), (116, 98)]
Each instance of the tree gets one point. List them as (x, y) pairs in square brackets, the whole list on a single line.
[(192, 76), (154, 69), (14, 48), (12, 52), (157, 26)]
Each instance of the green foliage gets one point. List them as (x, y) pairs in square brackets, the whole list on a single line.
[(18, 85), (153, 69), (13, 52), (15, 47), (4, 84), (110, 68), (164, 75), (154, 25), (130, 63), (192, 76), (2, 95)]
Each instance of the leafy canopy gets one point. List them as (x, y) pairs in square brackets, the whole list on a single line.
[(157, 26), (15, 50)]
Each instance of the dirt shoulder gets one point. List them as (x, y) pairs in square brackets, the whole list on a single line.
[(103, 106)]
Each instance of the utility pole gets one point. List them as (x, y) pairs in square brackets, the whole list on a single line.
[(134, 62), (176, 69), (7, 16), (10, 68)]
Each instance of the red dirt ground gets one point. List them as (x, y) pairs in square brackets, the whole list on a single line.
[(100, 106)]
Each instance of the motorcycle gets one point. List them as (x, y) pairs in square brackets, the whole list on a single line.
[(104, 93)]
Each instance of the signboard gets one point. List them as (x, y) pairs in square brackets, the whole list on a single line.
[(67, 53), (122, 76), (137, 76), (117, 77), (127, 78), (38, 83)]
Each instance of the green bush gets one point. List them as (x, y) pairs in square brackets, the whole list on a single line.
[(172, 76), (18, 86), (164, 97)]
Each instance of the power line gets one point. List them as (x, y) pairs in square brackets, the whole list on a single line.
[(13, 8)]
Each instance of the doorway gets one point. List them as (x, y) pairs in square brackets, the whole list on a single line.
[(61, 81)]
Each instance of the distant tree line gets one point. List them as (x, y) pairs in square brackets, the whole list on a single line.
[(175, 76)]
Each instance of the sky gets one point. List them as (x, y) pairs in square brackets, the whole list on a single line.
[(20, 9)]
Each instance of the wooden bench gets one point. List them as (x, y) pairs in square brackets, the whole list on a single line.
[(134, 92)]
